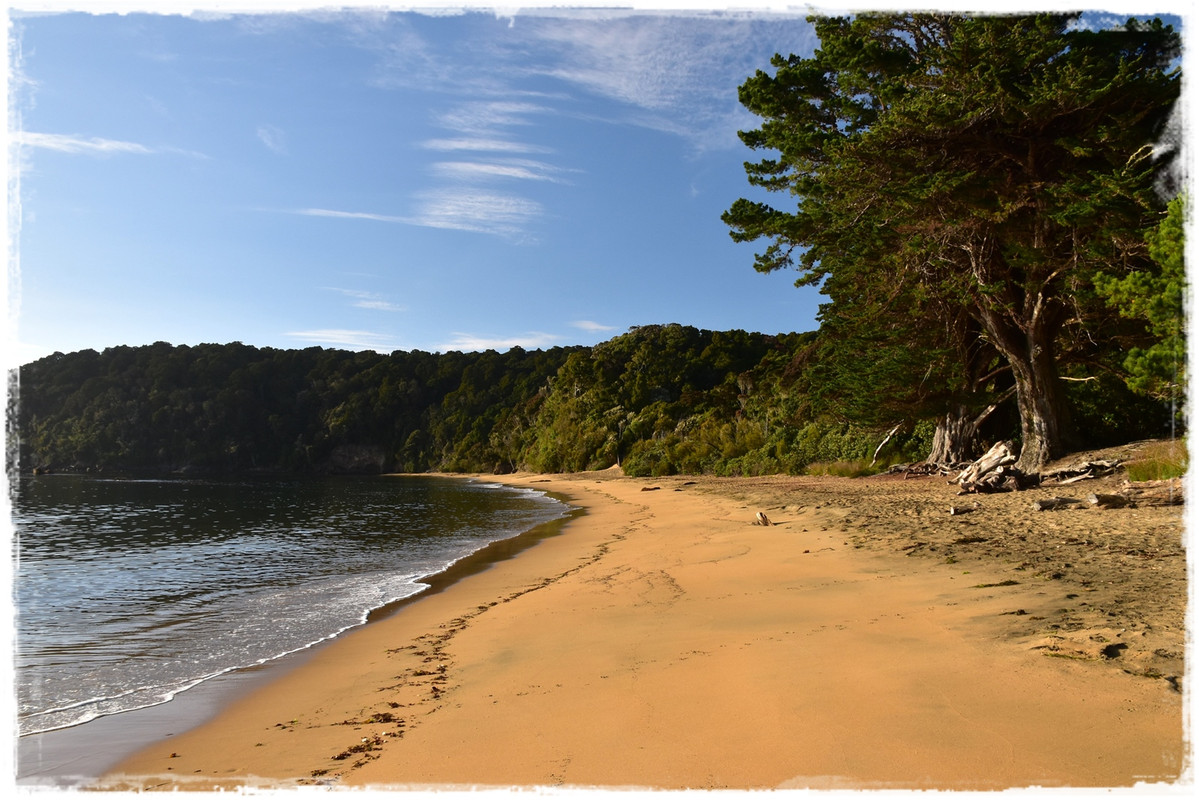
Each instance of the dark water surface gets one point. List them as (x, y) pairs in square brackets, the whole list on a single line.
[(129, 592)]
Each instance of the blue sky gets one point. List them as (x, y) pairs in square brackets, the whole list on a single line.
[(371, 180), (386, 181)]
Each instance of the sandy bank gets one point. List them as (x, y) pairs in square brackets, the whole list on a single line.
[(665, 641)]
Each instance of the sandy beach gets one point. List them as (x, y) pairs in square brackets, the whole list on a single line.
[(866, 639)]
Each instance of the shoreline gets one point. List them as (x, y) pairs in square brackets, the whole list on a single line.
[(78, 755), (665, 641)]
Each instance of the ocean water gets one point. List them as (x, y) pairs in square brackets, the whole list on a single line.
[(128, 592)]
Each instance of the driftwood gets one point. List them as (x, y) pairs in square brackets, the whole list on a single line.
[(999, 455), (1054, 503), (995, 472), (1109, 501), (1081, 472), (1154, 493), (883, 443), (922, 468)]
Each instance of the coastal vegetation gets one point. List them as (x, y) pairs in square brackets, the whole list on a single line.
[(990, 206), (658, 400), (977, 189)]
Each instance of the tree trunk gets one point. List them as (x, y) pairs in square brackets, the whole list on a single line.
[(1030, 352), (1042, 410), (955, 439)]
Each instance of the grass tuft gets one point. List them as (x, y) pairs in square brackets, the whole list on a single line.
[(842, 469), (1159, 461)]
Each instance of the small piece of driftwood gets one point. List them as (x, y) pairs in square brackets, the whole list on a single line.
[(1054, 503), (1108, 500)]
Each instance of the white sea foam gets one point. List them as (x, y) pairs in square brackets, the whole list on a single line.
[(152, 613)]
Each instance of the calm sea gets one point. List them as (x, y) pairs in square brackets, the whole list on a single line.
[(128, 592)]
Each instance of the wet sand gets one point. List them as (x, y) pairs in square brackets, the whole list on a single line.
[(866, 639)]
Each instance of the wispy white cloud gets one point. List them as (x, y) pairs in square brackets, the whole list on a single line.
[(465, 208), (483, 145), (486, 127), (485, 116), (65, 143), (379, 305), (327, 212), (467, 342), (471, 209), (78, 144), (273, 138), (594, 327), (368, 300), (348, 339), (676, 73), (519, 169)]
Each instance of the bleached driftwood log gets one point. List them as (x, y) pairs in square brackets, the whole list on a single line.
[(999, 456)]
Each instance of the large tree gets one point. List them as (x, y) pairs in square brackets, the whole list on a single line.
[(1000, 162)]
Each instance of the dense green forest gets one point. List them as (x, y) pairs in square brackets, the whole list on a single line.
[(990, 205), (660, 399)]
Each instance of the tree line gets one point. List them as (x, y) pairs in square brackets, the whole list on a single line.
[(659, 399)]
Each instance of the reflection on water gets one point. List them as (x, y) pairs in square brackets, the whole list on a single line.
[(128, 591)]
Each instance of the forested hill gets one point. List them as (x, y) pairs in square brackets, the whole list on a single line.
[(659, 399)]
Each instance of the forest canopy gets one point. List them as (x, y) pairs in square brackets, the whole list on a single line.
[(660, 399)]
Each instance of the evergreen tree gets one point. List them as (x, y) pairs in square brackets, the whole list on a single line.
[(1155, 297), (1000, 162)]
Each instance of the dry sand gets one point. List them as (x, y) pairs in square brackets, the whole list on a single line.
[(867, 639)]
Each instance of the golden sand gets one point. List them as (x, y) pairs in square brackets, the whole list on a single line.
[(664, 640)]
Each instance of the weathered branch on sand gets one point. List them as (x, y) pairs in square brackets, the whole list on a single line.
[(1081, 471), (1109, 500), (1054, 503), (1154, 493)]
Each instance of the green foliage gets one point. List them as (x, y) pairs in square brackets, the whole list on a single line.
[(1111, 413), (1155, 297), (960, 180), (236, 408), (661, 400)]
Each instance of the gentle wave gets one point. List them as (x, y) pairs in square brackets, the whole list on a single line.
[(84, 711), (97, 655)]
